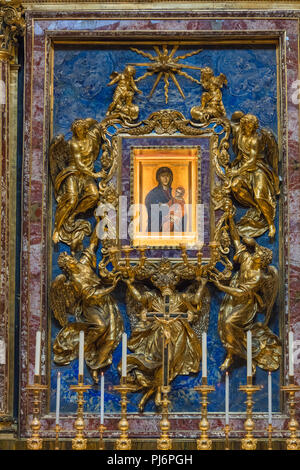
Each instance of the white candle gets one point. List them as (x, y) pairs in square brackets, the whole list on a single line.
[(124, 355), (270, 397), (226, 398), (102, 400), (37, 353), (204, 355), (249, 354), (291, 354), (81, 352), (57, 398)]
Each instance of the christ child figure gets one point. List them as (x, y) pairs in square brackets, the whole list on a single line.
[(174, 221)]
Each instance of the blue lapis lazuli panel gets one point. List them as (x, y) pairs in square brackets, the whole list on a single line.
[(81, 76)]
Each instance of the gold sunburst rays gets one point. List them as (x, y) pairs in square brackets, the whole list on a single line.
[(166, 66)]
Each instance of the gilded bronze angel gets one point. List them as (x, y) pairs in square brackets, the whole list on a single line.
[(74, 180), (254, 174), (253, 289), (80, 293)]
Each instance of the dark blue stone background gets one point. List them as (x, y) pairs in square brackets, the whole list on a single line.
[(80, 90)]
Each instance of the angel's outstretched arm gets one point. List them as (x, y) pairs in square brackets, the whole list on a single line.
[(101, 291), (114, 80), (198, 295), (135, 293)]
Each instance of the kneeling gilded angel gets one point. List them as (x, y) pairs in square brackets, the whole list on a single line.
[(81, 293)]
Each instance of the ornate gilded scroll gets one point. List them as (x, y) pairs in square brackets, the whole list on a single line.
[(80, 293)]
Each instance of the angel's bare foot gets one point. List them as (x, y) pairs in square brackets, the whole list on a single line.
[(272, 231), (227, 363), (55, 236), (95, 376), (253, 369)]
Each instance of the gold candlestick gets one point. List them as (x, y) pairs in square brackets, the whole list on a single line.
[(57, 429), (204, 443), (79, 442), (270, 431), (293, 442), (249, 442), (102, 428), (164, 442), (35, 442), (123, 442), (226, 431)]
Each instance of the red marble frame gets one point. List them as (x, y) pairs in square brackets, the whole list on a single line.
[(42, 29)]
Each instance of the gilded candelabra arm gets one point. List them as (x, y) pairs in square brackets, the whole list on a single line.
[(112, 254), (214, 255), (184, 255), (143, 258)]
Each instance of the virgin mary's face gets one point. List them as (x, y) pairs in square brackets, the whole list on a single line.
[(164, 179)]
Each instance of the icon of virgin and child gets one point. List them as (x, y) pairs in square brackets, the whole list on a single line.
[(166, 210)]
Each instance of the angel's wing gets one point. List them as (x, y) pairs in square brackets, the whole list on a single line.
[(59, 156), (269, 291), (134, 307), (200, 325), (63, 299), (222, 80), (271, 151)]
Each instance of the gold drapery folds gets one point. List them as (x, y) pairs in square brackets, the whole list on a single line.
[(12, 25)]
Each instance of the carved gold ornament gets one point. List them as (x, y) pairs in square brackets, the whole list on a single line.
[(12, 25)]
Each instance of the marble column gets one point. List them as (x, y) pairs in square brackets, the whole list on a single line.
[(11, 28)]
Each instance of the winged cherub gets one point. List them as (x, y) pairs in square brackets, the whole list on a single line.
[(211, 100), (121, 105), (80, 293)]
